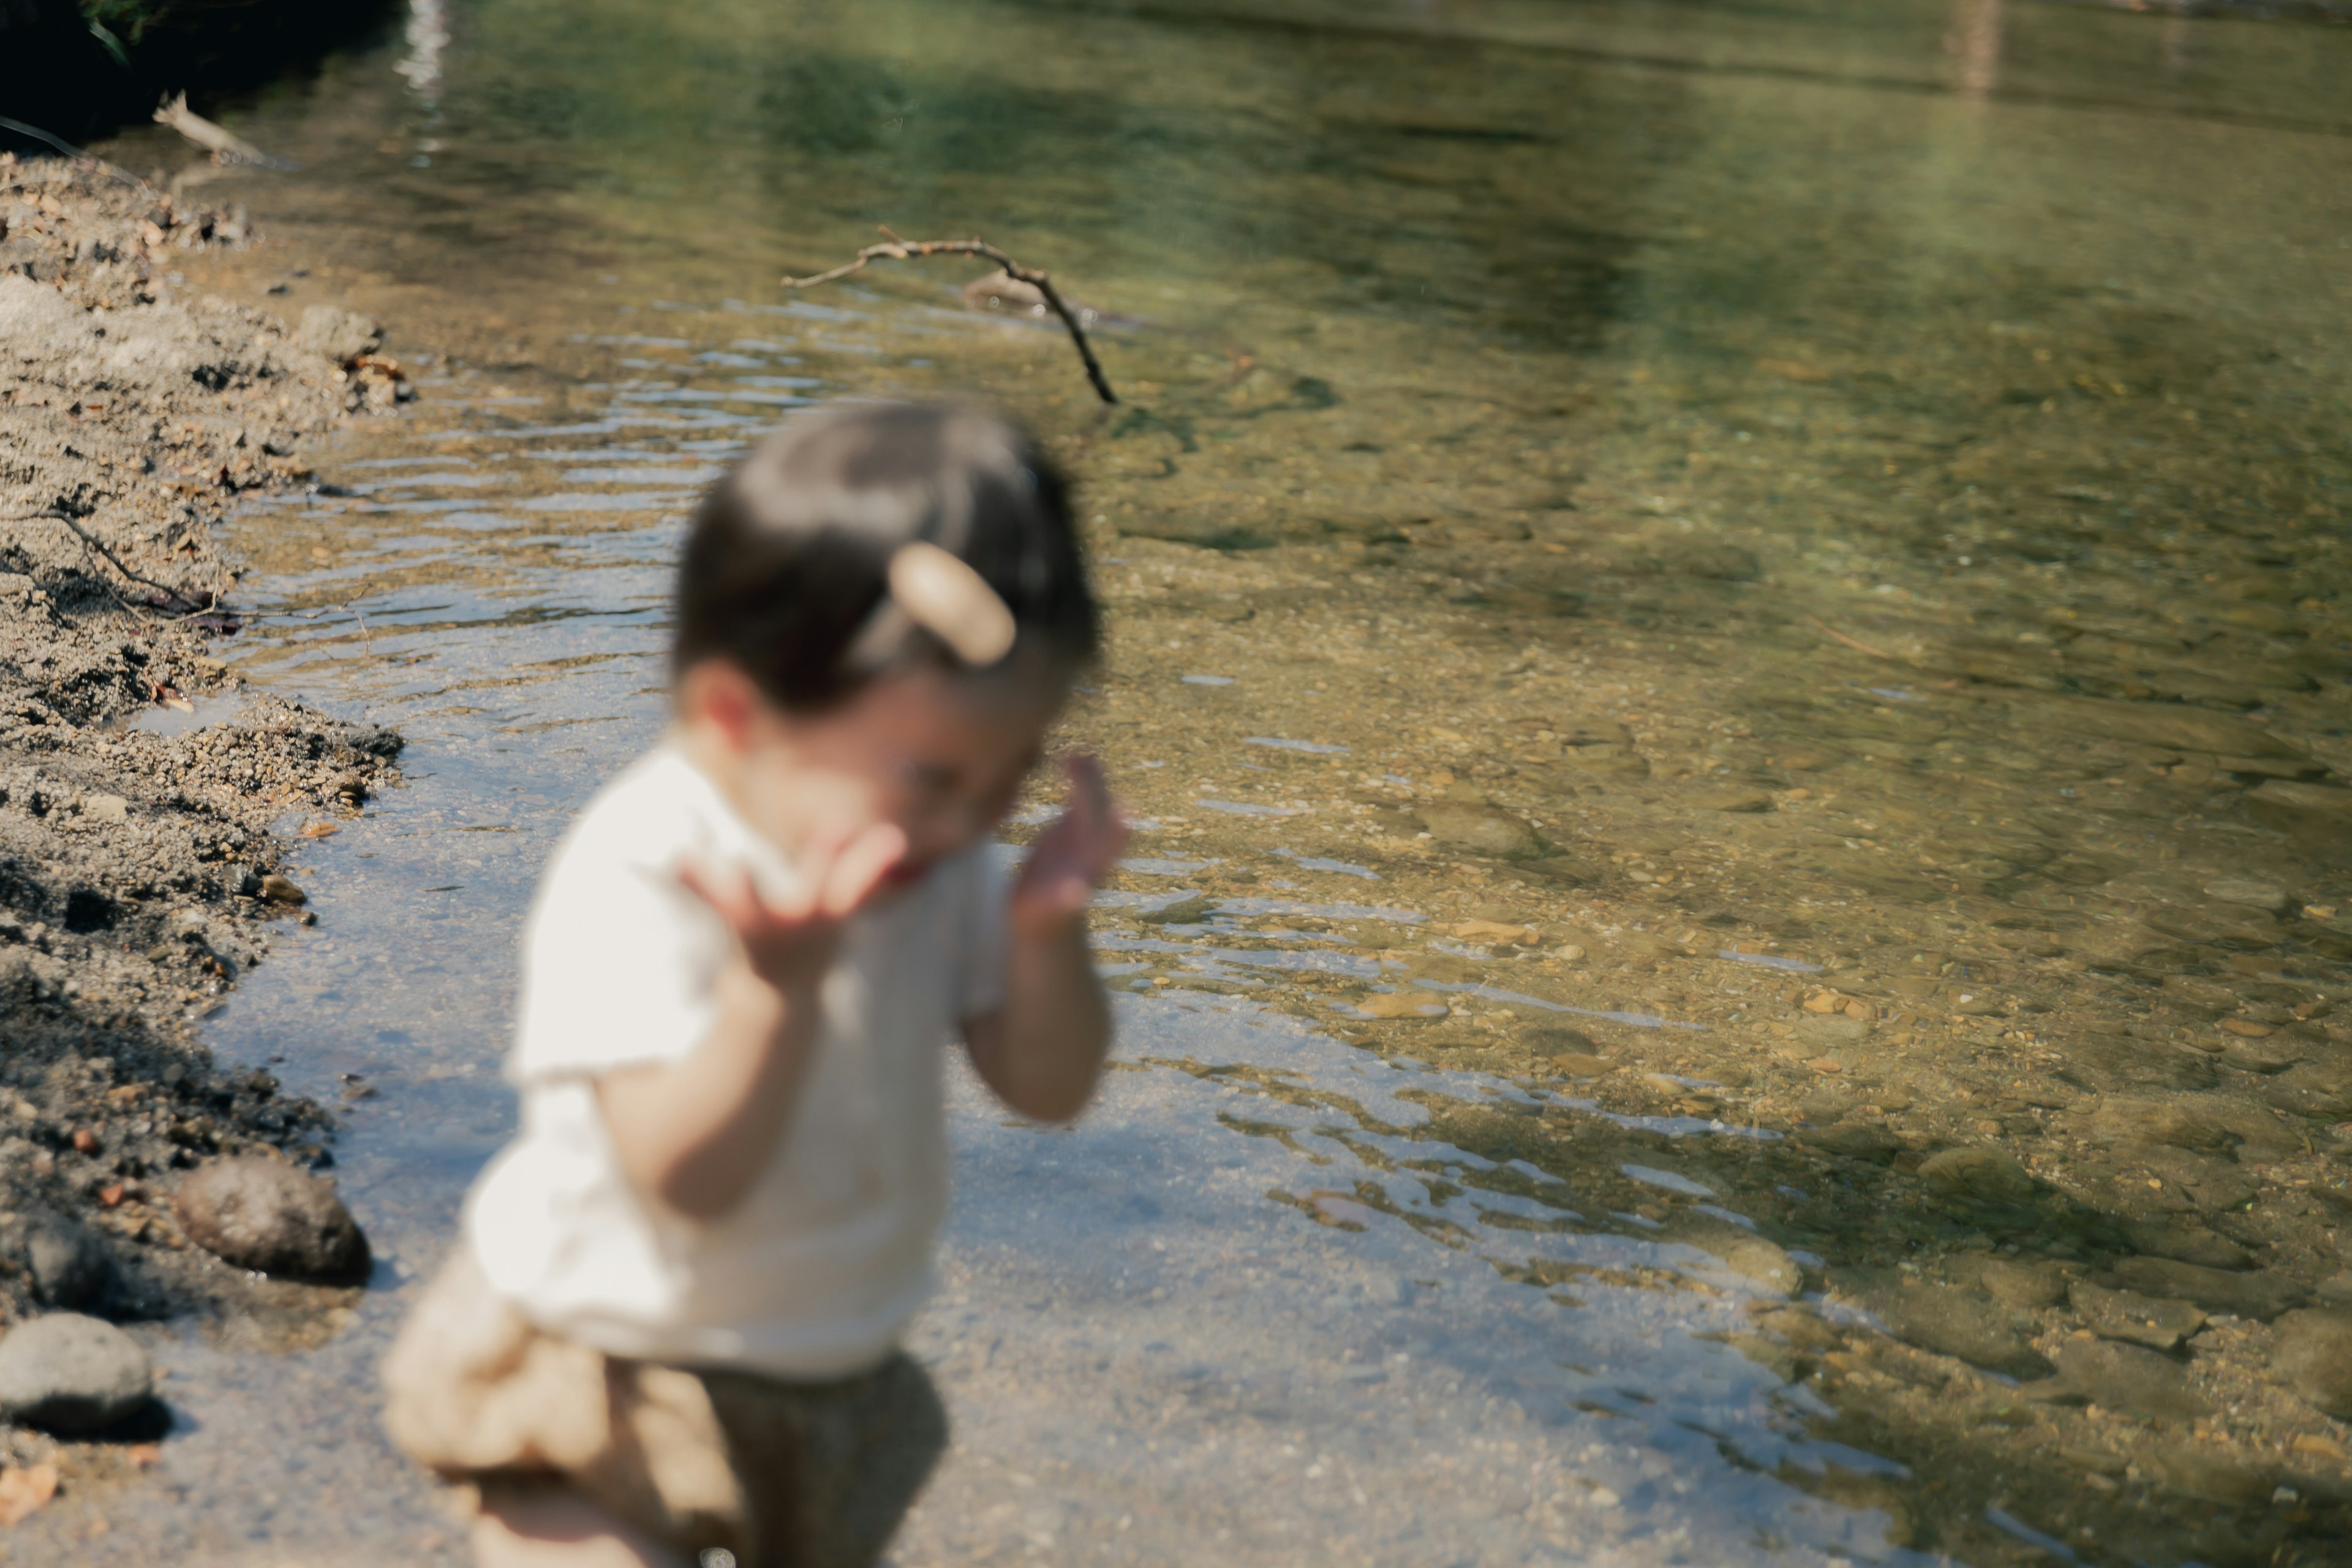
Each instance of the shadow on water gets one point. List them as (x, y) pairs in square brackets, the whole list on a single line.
[(1726, 635)]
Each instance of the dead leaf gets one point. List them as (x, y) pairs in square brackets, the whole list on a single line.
[(24, 1490)]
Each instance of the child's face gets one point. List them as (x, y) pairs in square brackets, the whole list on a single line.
[(939, 754)]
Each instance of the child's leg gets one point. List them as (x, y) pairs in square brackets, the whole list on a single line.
[(550, 1527)]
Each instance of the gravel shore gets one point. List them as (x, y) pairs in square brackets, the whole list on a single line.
[(139, 849)]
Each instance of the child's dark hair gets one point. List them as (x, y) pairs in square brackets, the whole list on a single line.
[(787, 568)]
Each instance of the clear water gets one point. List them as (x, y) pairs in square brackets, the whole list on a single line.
[(1829, 395)]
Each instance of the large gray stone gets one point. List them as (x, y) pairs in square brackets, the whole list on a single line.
[(264, 1215), (2314, 1357), (71, 1374)]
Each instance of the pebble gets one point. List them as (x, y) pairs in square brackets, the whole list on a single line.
[(1859, 1140), (340, 335), (2170, 1122), (2029, 1287), (264, 1215), (2314, 1356), (1956, 1322), (71, 1374), (2252, 894), (1985, 1175), (1736, 799), (1403, 1004), (1482, 830), (1819, 1029), (2258, 1296), (2203, 1471), (2123, 1377), (1760, 1260), (2187, 1244), (2157, 1323), (280, 890), (68, 1265)]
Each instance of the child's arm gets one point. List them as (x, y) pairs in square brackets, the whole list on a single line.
[(1042, 1050), (693, 1134)]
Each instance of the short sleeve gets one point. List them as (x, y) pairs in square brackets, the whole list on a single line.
[(620, 962), (985, 924)]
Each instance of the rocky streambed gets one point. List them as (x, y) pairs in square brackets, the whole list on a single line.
[(140, 848)]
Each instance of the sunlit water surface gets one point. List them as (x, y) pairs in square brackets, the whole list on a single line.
[(1466, 332)]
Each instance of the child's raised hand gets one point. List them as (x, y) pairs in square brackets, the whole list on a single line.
[(1070, 858), (789, 940)]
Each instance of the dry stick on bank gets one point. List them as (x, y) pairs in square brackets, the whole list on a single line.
[(897, 249), (179, 599)]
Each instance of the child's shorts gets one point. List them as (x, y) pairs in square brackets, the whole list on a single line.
[(782, 1475)]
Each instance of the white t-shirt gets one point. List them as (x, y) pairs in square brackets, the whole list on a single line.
[(817, 1271)]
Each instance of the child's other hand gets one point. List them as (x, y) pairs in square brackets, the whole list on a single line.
[(1070, 858), (789, 941)]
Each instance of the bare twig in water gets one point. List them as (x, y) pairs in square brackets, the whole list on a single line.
[(348, 608), (1837, 636), (894, 249), (178, 598)]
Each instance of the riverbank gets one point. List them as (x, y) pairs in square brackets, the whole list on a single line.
[(141, 856)]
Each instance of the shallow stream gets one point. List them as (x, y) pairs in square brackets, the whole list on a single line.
[(1709, 604)]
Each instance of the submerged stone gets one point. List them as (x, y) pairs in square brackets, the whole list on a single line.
[(2315, 1359), (2124, 1377), (2258, 1296), (2158, 1322), (1984, 1174)]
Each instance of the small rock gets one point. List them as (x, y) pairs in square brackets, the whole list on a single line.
[(2028, 1287), (71, 1374), (1822, 1029), (2157, 1323), (1985, 1175), (2313, 1354), (1759, 1260), (2207, 1472), (2258, 1296), (2173, 1123), (1553, 1041), (105, 807), (68, 1265), (1187, 912), (280, 890), (2187, 1244), (264, 1215), (1403, 1004), (1736, 798), (2319, 1089), (2124, 1377), (1482, 830), (1859, 1140), (2252, 894), (1955, 1321), (341, 336)]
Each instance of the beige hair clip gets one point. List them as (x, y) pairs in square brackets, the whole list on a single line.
[(940, 593)]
